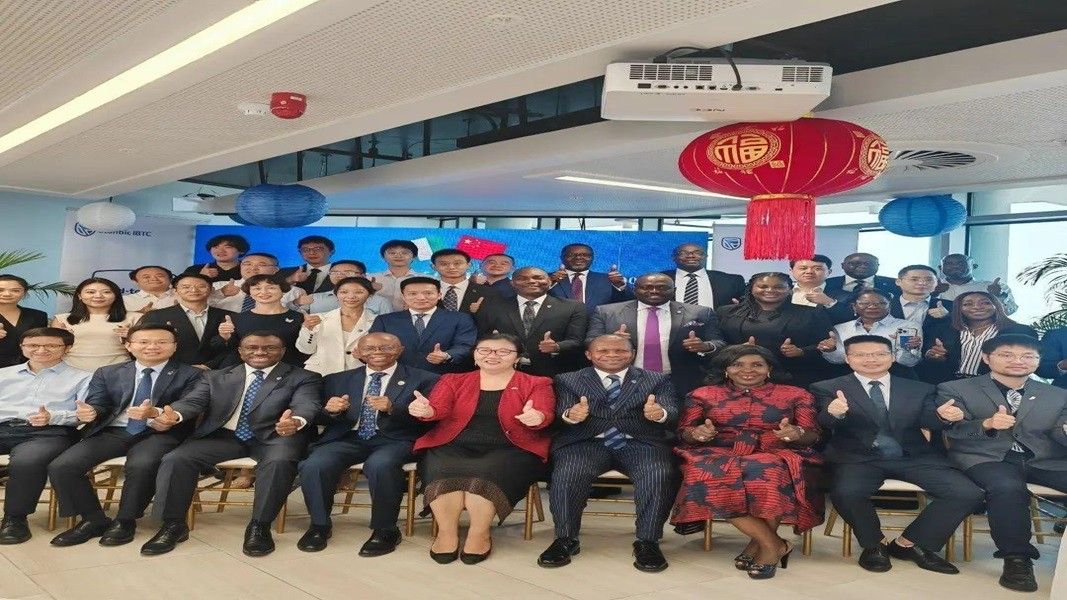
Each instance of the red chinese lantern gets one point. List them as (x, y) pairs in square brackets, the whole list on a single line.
[(783, 167)]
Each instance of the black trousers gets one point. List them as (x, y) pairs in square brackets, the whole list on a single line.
[(143, 452), (953, 498), (383, 461), (30, 449), (275, 458), (1008, 502), (651, 467)]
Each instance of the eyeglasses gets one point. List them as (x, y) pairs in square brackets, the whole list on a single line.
[(378, 348), (496, 351), (347, 273), (190, 288), (36, 347), (869, 354), (254, 349), (151, 343), (1022, 357), (871, 304)]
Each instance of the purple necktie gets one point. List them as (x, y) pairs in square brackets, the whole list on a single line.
[(577, 289), (653, 360)]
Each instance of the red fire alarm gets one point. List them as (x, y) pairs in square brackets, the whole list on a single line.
[(288, 105)]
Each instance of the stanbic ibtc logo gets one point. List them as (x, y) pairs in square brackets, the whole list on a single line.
[(82, 230)]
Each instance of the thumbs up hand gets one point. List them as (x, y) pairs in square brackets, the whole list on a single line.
[(147, 308), (374, 283), (692, 343), (226, 328), (84, 412), (529, 416), (142, 411), (788, 348), (122, 331), (3, 332), (995, 288), (165, 420), (819, 297), (559, 274), (703, 432), (311, 321), (437, 356), (337, 404), (950, 412), (298, 276), (829, 344), (39, 418), (229, 289), (420, 407), (547, 344), (839, 405), (616, 278), (1000, 420), (287, 425), (938, 311), (751, 341), (787, 432), (579, 412), (622, 331), (477, 305), (480, 278), (209, 271), (937, 351), (653, 411)]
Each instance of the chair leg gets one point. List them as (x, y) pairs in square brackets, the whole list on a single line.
[(190, 517), (527, 532), (225, 493), (830, 520), (112, 482), (968, 537), (280, 521), (409, 519), (846, 540), (707, 534), (349, 494), (53, 509), (950, 548), (806, 549), (1035, 516), (538, 505), (434, 528)]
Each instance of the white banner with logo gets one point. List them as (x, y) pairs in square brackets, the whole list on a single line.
[(151, 241), (728, 253)]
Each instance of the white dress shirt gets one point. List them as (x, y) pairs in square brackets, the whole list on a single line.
[(138, 300), (461, 289), (122, 419), (849, 285), (664, 333), (197, 319), (426, 320), (324, 272), (366, 385), (538, 303), (799, 294), (235, 302), (705, 295), (391, 286), (584, 276), (884, 379), (915, 310)]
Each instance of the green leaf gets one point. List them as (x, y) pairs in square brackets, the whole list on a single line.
[(10, 258)]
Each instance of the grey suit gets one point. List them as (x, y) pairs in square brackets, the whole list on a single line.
[(989, 460), (687, 368)]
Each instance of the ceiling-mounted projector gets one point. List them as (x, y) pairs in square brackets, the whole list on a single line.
[(704, 89)]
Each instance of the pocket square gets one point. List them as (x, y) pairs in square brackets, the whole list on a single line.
[(694, 324)]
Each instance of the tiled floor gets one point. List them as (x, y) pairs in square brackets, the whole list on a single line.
[(210, 565)]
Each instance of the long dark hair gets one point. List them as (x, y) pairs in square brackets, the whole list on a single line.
[(1001, 319), (79, 312), (730, 354), (748, 308)]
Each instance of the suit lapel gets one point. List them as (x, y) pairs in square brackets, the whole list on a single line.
[(432, 325), (1029, 400), (629, 389), (542, 313), (514, 314), (899, 388), (865, 402), (628, 317), (166, 376), (129, 381), (677, 315), (271, 382), (597, 393), (993, 393)]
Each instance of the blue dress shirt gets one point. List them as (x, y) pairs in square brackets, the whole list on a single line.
[(23, 392)]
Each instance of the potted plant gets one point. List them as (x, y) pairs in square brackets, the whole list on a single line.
[(10, 258), (1051, 271)]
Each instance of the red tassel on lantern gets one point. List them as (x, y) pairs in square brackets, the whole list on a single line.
[(782, 225)]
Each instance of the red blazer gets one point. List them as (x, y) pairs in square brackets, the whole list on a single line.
[(455, 396)]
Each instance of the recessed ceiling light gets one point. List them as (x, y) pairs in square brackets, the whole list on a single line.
[(242, 23), (643, 186)]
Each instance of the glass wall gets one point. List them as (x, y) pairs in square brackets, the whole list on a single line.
[(894, 251)]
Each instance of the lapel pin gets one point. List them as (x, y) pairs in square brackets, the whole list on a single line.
[(170, 372), (1033, 397), (290, 320), (400, 383)]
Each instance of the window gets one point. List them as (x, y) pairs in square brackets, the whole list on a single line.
[(894, 251), (1018, 201)]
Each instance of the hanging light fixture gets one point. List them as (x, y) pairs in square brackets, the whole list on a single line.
[(106, 216)]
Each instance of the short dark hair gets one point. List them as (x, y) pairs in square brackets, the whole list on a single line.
[(263, 333), (258, 279), (133, 273), (503, 337), (56, 332), (817, 258), (230, 238), (316, 239), (264, 255), (877, 292), (563, 250), (626, 338), (362, 282), (22, 282), (152, 327), (180, 276), (728, 355), (866, 338), (355, 263), (1011, 339), (419, 279), (449, 252), (507, 256), (903, 271), (405, 244)]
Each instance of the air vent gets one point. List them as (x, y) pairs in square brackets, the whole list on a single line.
[(802, 74), (913, 161), (670, 72)]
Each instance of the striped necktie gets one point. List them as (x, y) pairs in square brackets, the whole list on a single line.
[(420, 323), (613, 438), (691, 295), (1015, 400), (243, 431)]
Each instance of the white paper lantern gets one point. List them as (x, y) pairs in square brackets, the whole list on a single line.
[(106, 216)]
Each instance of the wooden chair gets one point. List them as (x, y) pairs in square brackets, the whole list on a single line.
[(889, 485), (534, 512), (50, 501), (1038, 515), (224, 487), (807, 540), (351, 491)]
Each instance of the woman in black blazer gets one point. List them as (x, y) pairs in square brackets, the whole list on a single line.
[(952, 350), (766, 316), (14, 319)]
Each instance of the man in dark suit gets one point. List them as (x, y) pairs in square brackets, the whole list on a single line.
[(861, 271), (261, 408), (876, 423), (552, 330), (684, 335), (574, 281), (694, 284), (917, 301), (120, 400), (614, 416), (1054, 357), (1009, 430), (459, 291), (434, 339), (194, 322), (375, 430), (314, 275)]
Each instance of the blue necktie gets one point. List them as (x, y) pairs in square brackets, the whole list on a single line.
[(247, 304), (244, 422), (368, 417), (613, 438), (420, 323), (144, 392)]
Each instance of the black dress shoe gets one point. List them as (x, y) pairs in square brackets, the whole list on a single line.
[(930, 561), (876, 559), (444, 558), (314, 539), (121, 531), (559, 553), (81, 533), (473, 559), (258, 541), (648, 558), (1018, 574), (382, 541), (168, 536), (689, 528), (14, 530)]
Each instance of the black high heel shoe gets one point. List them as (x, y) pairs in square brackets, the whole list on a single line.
[(473, 559), (445, 557), (743, 561), (761, 571)]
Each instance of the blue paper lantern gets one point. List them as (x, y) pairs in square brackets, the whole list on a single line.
[(269, 205), (922, 216)]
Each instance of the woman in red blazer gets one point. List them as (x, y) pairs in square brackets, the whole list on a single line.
[(488, 447)]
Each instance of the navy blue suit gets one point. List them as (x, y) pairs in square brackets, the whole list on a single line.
[(598, 290), (383, 455), (455, 331), (1053, 350), (833, 287)]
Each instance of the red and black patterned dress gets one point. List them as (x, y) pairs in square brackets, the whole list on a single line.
[(745, 469)]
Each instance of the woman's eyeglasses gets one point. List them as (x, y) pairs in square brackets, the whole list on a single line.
[(496, 351)]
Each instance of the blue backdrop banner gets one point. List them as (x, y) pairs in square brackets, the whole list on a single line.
[(635, 252)]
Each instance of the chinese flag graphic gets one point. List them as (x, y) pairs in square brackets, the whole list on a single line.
[(479, 248)]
